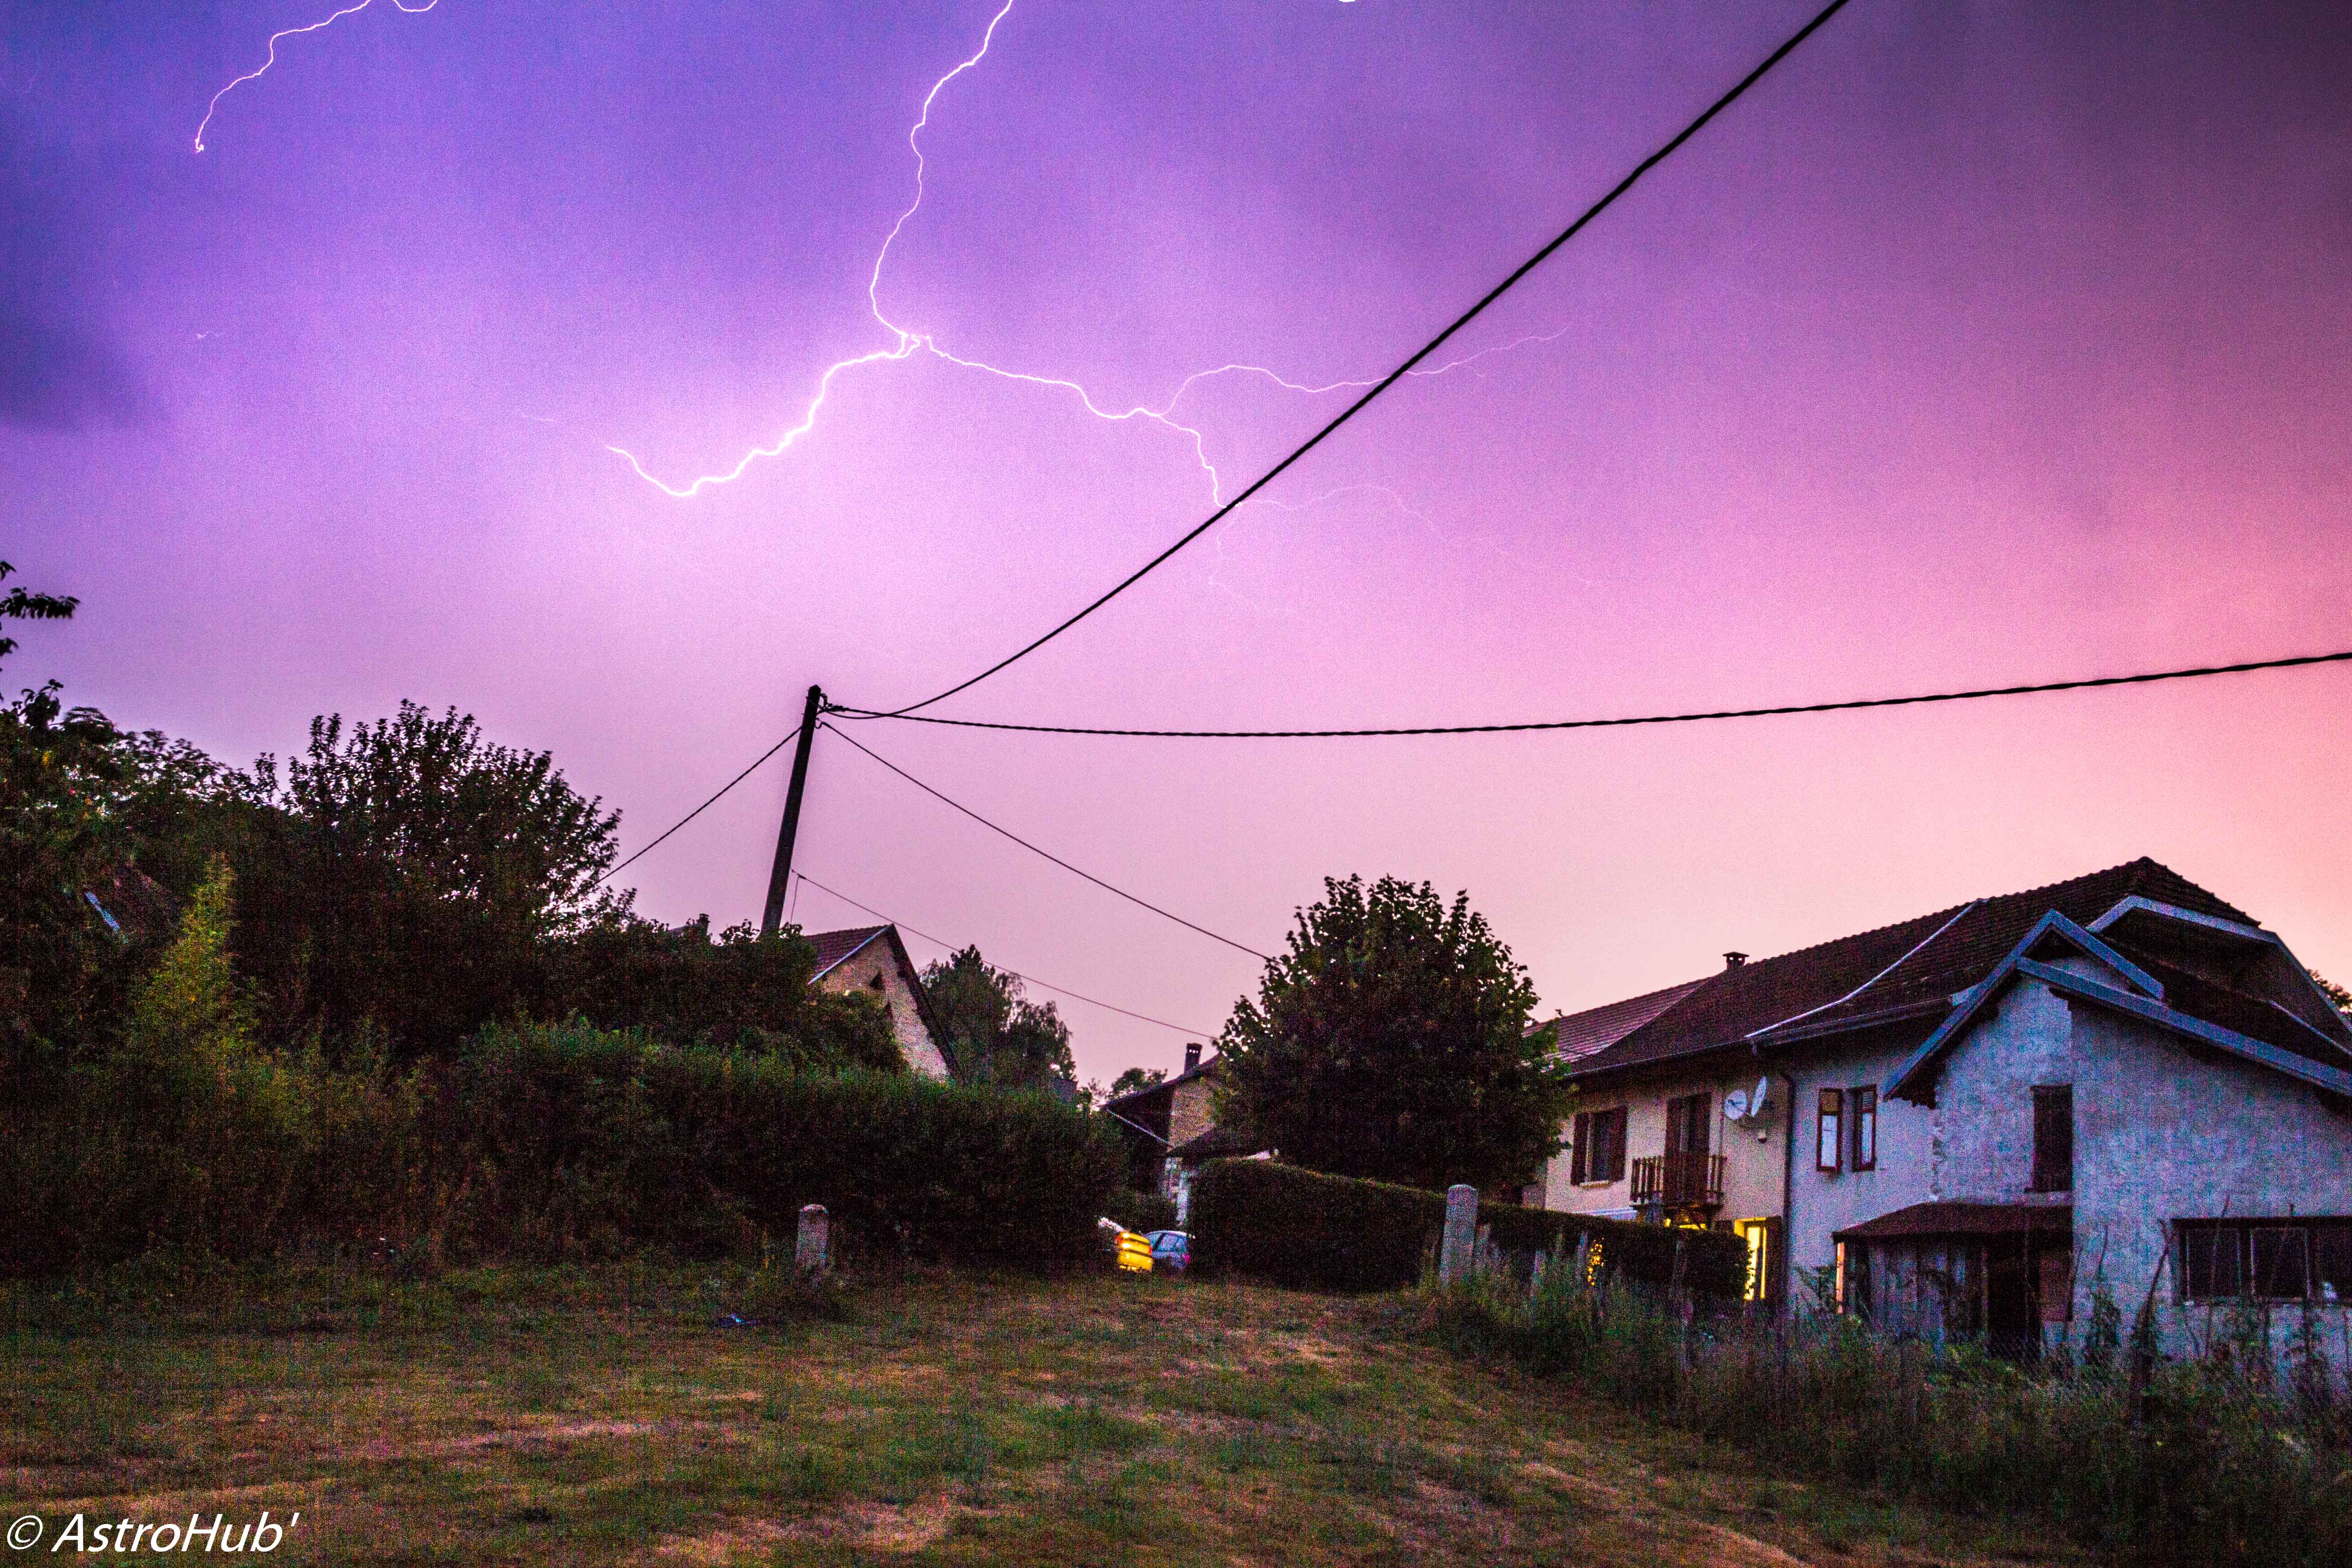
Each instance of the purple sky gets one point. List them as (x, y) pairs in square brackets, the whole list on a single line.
[(1981, 343)]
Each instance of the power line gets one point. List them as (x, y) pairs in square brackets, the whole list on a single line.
[(1064, 865), (1025, 979), (1970, 696), (1464, 319), (690, 815)]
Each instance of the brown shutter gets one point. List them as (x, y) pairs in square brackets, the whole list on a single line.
[(1616, 1167), (2053, 1138), (1580, 1139)]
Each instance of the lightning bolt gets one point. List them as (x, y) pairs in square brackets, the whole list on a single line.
[(263, 70), (906, 341)]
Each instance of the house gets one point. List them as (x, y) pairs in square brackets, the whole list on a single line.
[(874, 959), (1171, 1128), (1971, 1121)]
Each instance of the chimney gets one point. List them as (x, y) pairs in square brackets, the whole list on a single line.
[(1734, 960), (1191, 1056)]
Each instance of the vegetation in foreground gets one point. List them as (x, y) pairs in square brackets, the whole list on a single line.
[(2229, 1457), (570, 1416)]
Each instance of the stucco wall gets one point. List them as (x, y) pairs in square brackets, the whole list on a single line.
[(1823, 1203), (1753, 1153), (2162, 1132), (858, 972)]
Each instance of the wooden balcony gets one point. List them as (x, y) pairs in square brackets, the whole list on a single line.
[(1680, 1180)]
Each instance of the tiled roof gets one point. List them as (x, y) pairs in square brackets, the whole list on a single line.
[(1842, 981), (1965, 1219), (833, 946), (1596, 1028)]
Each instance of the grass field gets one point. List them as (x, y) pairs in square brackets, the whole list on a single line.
[(561, 1417)]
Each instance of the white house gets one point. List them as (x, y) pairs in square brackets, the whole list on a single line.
[(1964, 1122)]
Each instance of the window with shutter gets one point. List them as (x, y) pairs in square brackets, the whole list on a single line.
[(1580, 1148), (1864, 1113), (2053, 1138), (1830, 1129), (1613, 1170)]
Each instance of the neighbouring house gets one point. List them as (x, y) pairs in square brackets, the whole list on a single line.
[(1171, 1128), (873, 958), (1968, 1122)]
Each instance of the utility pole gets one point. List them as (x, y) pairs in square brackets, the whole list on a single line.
[(780, 880)]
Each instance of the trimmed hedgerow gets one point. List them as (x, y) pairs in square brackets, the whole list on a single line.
[(1334, 1233), (595, 1138)]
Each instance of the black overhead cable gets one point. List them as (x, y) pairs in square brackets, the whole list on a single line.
[(1460, 321), (1064, 865), (1025, 979), (697, 811), (1848, 705)]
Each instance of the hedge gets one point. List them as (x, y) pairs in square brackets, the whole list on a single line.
[(546, 1142), (1334, 1233)]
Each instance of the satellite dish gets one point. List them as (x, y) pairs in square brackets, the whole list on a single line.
[(1735, 1105)]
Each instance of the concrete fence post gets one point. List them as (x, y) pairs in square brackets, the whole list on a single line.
[(1459, 1242), (813, 1248)]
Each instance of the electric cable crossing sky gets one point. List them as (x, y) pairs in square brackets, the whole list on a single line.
[(263, 68)]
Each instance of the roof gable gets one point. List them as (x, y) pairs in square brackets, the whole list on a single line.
[(1913, 969)]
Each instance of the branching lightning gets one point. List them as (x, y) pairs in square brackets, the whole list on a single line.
[(263, 68), (905, 342)]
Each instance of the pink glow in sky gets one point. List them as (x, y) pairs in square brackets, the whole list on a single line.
[(1981, 343)]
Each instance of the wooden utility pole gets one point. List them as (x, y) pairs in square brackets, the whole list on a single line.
[(780, 879)]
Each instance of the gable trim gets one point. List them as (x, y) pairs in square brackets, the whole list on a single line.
[(879, 932), (1972, 1001)]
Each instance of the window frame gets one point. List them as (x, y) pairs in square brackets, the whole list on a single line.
[(2230, 1246), (1594, 1133), (2048, 1170), (1829, 1132), (1861, 1103)]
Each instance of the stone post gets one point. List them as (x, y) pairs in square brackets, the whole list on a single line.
[(1459, 1243), (812, 1249)]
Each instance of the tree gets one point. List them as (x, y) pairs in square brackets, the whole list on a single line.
[(2334, 993), (994, 1034), (1388, 1041), (413, 877), (741, 990), (1133, 1079), (21, 603)]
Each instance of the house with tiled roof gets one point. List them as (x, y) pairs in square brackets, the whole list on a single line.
[(1963, 1123), (1171, 1128), (873, 958)]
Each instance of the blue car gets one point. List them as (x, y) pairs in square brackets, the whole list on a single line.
[(1171, 1249)]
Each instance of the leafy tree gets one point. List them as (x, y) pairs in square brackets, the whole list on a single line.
[(740, 991), (994, 1034), (409, 875), (21, 603), (2334, 993), (1133, 1079), (1388, 1042)]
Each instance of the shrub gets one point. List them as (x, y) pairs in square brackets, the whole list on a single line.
[(1334, 1233), (1141, 1211), (2214, 1462)]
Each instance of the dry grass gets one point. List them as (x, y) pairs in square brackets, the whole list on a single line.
[(531, 1419)]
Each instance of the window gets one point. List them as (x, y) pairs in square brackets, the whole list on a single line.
[(1597, 1147), (1758, 1235), (2266, 1259), (1865, 1128), (1831, 1129), (1690, 1123), (2053, 1138)]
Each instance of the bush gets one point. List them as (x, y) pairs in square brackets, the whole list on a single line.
[(1141, 1211), (549, 1143), (2215, 1462), (1334, 1233)]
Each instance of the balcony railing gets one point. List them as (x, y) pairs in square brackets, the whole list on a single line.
[(1679, 1181)]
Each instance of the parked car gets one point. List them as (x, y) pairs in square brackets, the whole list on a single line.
[(1171, 1249)]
